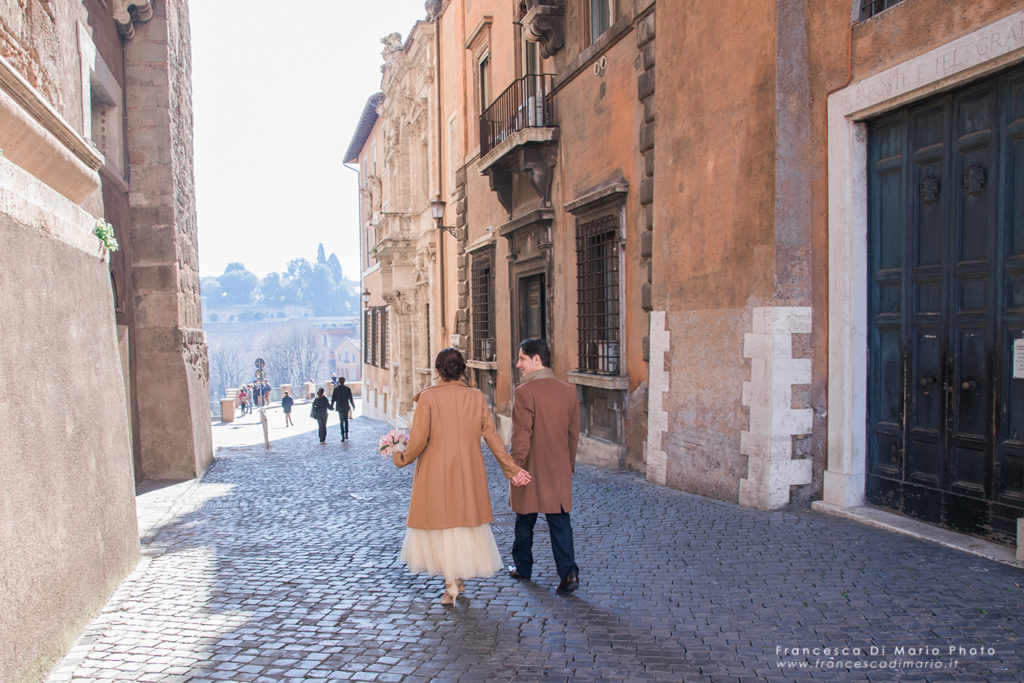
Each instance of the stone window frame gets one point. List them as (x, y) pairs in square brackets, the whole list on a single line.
[(607, 201), (485, 252), (102, 104), (956, 62), (479, 45)]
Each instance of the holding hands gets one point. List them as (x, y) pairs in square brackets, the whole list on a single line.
[(521, 479)]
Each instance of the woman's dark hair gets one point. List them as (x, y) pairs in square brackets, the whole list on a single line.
[(537, 347), (450, 364)]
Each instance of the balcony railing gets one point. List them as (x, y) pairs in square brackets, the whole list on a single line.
[(527, 103)]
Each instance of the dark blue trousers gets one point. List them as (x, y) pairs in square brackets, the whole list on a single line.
[(560, 530)]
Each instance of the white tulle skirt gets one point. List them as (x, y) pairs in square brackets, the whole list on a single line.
[(459, 553)]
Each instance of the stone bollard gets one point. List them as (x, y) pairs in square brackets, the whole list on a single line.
[(227, 410)]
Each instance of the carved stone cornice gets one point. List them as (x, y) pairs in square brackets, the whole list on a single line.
[(534, 161), (129, 12), (545, 20)]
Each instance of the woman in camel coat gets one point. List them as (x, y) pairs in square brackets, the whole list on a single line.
[(448, 530)]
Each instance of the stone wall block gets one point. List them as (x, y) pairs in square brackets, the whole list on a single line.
[(159, 278), (646, 244), (648, 211), (645, 297), (645, 85), (646, 137), (650, 110), (648, 55), (649, 164), (647, 190), (645, 32)]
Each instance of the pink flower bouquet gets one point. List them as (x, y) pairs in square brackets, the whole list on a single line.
[(391, 442)]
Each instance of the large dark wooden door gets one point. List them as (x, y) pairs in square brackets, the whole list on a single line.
[(946, 301)]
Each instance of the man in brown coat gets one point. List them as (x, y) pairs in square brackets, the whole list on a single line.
[(545, 431)]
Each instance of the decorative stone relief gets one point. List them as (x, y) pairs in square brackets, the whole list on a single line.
[(768, 444), (545, 20), (129, 12)]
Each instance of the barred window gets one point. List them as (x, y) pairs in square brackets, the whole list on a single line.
[(869, 8), (374, 337), (367, 338), (482, 302), (382, 336), (597, 290)]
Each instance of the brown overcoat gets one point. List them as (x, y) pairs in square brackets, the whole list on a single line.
[(545, 434), (449, 486)]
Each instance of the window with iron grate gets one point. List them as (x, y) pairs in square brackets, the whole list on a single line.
[(597, 295), (367, 337), (374, 336), (482, 302), (384, 339), (869, 8)]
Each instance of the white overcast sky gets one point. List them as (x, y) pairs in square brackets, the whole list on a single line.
[(278, 88)]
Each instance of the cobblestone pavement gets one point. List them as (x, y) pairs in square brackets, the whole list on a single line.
[(282, 564)]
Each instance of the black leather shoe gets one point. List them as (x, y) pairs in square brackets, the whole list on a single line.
[(515, 574), (570, 583)]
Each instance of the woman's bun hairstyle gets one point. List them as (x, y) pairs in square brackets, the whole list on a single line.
[(450, 364)]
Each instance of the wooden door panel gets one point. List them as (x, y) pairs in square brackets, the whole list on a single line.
[(946, 249)]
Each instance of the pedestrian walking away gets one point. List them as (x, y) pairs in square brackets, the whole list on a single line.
[(318, 412), (286, 405), (545, 434), (341, 400), (448, 530)]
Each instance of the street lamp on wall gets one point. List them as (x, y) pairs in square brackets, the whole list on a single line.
[(366, 297), (437, 211)]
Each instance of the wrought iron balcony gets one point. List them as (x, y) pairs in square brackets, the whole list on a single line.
[(527, 103)]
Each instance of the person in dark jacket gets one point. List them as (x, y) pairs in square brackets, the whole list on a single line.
[(319, 412), (286, 405), (341, 399), (545, 432)]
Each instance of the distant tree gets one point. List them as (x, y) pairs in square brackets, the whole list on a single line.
[(227, 371), (271, 290), (321, 254), (238, 284), (322, 294), (298, 281), (335, 265), (292, 355)]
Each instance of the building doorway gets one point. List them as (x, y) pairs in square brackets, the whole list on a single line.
[(945, 427)]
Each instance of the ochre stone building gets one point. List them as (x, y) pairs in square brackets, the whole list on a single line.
[(775, 244), (104, 374)]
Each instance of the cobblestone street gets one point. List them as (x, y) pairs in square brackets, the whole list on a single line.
[(282, 564)]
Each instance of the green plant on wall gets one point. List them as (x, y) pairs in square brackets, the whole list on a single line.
[(105, 231)]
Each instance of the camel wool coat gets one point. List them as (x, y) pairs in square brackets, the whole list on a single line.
[(545, 435), (449, 486)]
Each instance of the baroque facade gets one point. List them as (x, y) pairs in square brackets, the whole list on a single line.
[(395, 150), (95, 126), (775, 245)]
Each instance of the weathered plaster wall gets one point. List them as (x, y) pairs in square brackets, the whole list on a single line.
[(740, 240), (67, 508), (913, 28)]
